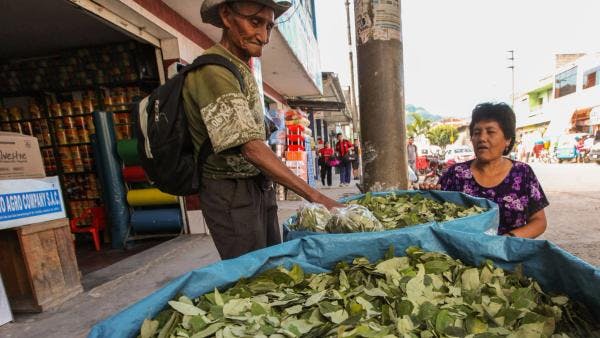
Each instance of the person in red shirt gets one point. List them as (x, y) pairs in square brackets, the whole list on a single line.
[(324, 155), (343, 148)]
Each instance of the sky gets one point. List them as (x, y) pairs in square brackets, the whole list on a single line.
[(455, 51)]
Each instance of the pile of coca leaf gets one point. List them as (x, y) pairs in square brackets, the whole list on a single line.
[(424, 294), (382, 213), (398, 211)]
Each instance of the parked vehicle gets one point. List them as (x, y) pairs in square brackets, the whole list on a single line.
[(459, 154), (566, 149), (594, 154)]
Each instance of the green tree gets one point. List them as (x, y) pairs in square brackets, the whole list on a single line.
[(442, 135), (419, 126)]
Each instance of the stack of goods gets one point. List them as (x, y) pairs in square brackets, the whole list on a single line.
[(422, 294), (152, 211), (296, 158), (119, 102), (68, 87), (73, 69), (32, 123)]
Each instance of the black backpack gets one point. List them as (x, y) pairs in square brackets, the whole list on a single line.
[(165, 145)]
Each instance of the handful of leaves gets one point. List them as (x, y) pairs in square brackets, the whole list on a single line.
[(313, 217), (424, 294), (399, 211), (352, 218), (391, 212)]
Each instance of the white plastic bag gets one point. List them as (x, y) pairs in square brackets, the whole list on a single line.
[(312, 217), (353, 218)]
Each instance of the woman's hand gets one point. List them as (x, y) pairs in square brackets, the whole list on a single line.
[(429, 186), (536, 225)]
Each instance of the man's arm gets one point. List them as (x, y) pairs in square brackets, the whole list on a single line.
[(261, 156)]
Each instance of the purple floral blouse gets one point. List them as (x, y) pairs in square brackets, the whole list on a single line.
[(518, 196)]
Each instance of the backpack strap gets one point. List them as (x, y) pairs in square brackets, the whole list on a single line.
[(211, 59), (218, 60)]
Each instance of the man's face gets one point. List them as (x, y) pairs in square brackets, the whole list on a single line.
[(410, 140), (340, 137), (248, 26)]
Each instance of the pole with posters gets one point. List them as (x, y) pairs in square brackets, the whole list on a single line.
[(381, 94)]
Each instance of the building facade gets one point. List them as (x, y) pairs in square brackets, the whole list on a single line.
[(567, 101)]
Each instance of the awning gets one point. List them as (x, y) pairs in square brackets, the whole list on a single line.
[(533, 120), (332, 104)]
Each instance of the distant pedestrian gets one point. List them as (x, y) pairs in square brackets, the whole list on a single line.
[(356, 162), (520, 151), (325, 155), (579, 149), (344, 150), (411, 150)]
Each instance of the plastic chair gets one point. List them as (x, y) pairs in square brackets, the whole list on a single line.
[(98, 218)]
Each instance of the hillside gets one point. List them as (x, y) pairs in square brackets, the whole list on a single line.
[(421, 111)]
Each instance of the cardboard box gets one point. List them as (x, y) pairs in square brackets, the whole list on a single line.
[(20, 157), (30, 200)]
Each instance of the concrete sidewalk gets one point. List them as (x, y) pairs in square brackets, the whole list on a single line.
[(109, 290)]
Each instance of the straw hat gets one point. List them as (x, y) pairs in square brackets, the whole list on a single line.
[(210, 9)]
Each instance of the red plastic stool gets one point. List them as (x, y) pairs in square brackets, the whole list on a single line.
[(98, 218)]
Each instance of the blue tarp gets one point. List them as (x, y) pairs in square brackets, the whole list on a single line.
[(555, 269), (486, 222)]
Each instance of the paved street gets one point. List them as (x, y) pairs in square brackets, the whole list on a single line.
[(574, 212)]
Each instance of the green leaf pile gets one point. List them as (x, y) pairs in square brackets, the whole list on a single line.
[(398, 211), (393, 211), (423, 294)]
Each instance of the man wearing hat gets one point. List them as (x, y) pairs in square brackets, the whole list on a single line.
[(237, 195)]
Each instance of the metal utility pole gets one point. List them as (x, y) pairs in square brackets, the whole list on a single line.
[(355, 119), (512, 68), (381, 94)]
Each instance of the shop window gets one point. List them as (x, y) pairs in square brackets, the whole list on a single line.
[(590, 78), (565, 82)]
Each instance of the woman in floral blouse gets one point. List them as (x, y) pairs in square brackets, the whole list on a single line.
[(511, 184)]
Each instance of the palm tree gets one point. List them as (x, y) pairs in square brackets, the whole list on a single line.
[(442, 135), (419, 125)]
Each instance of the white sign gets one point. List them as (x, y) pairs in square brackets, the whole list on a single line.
[(5, 314), (28, 201)]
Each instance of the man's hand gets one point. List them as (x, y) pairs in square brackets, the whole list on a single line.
[(328, 202)]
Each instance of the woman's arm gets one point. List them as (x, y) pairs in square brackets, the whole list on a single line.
[(536, 225)]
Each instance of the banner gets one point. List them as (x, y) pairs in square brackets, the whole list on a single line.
[(28, 201)]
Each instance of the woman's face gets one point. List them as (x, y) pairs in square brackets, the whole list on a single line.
[(489, 142)]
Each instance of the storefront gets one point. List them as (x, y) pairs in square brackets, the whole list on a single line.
[(55, 75), (85, 56), (580, 121)]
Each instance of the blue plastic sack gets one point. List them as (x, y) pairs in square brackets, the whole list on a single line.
[(555, 269), (486, 222)]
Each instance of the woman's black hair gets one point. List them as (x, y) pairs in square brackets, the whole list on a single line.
[(499, 112)]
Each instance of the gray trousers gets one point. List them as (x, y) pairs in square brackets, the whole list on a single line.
[(241, 214)]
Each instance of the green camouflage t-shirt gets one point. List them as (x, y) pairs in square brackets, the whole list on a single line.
[(217, 108)]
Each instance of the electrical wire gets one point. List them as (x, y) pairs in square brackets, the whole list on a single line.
[(289, 17)]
